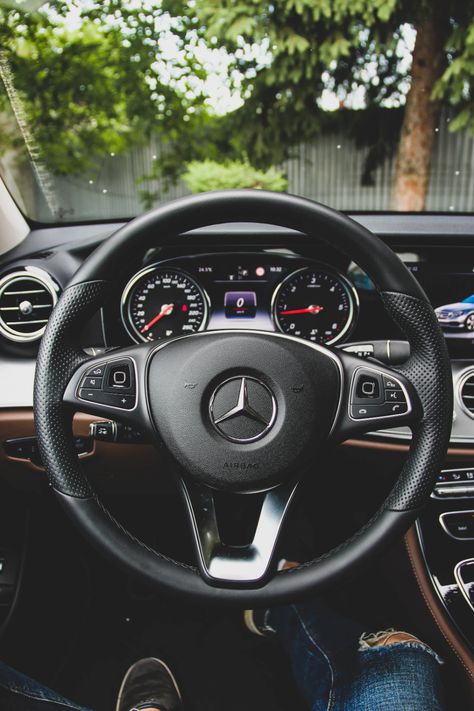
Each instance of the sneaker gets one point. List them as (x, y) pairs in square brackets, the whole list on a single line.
[(256, 622), (385, 638), (149, 683)]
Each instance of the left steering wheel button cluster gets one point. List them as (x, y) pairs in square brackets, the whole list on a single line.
[(111, 384)]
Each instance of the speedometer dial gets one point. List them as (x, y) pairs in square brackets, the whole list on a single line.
[(163, 303), (316, 304)]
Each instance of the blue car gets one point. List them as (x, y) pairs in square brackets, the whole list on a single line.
[(459, 315)]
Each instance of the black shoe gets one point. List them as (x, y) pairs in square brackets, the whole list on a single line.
[(149, 684)]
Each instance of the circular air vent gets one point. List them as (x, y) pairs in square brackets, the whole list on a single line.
[(27, 298), (466, 392)]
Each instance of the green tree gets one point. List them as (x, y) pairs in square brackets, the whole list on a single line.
[(347, 46), (201, 176), (101, 87)]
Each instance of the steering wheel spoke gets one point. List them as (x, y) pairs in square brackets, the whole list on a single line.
[(374, 397), (223, 564), (112, 386)]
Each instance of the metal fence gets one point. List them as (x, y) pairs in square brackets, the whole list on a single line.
[(329, 170)]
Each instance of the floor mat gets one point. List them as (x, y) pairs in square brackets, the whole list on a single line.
[(218, 664)]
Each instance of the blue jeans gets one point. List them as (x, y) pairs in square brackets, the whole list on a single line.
[(20, 693), (334, 672)]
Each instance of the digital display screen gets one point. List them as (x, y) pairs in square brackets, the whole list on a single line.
[(450, 288), (240, 304), (271, 291), (241, 290)]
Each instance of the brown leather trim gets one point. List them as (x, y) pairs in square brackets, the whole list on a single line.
[(105, 456), (390, 446), (375, 445), (20, 423), (456, 645)]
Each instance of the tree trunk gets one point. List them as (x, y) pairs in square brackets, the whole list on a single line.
[(421, 116)]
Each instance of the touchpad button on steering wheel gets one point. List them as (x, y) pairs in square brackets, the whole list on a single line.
[(119, 377), (367, 388)]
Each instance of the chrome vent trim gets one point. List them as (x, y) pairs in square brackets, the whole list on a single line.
[(466, 392), (27, 298)]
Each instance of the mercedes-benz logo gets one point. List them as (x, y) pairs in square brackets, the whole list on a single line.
[(242, 409)]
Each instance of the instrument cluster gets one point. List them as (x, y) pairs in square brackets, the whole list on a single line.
[(269, 292)]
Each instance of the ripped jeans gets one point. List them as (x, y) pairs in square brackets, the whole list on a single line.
[(335, 669)]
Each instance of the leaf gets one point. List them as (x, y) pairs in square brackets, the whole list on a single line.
[(240, 27), (297, 43), (461, 120)]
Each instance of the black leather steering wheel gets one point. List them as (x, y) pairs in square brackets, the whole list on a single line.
[(227, 405)]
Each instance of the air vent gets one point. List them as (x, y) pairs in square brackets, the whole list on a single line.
[(466, 392), (27, 298)]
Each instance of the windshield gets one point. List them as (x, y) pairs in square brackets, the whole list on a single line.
[(469, 300), (111, 107)]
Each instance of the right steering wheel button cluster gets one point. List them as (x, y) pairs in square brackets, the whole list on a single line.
[(111, 384), (374, 394)]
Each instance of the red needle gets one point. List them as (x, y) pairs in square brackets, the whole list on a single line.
[(309, 310), (154, 320)]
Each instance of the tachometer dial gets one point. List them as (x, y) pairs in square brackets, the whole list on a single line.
[(316, 304), (163, 303)]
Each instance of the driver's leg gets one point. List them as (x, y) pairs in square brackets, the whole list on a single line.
[(339, 667), (20, 693), (148, 685)]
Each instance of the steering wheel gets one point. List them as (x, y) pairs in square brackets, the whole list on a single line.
[(243, 411)]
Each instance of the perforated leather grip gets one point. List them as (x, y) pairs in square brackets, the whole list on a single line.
[(58, 358), (429, 370)]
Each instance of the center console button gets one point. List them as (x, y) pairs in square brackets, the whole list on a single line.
[(449, 475), (454, 490), (459, 525)]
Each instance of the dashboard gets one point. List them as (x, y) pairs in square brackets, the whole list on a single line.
[(242, 276), (261, 278), (311, 295), (267, 292)]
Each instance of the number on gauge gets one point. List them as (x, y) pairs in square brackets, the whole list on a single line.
[(163, 303), (315, 304)]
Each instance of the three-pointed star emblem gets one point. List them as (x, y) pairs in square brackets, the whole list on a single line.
[(243, 407)]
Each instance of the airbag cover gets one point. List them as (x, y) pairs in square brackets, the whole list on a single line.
[(242, 411)]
